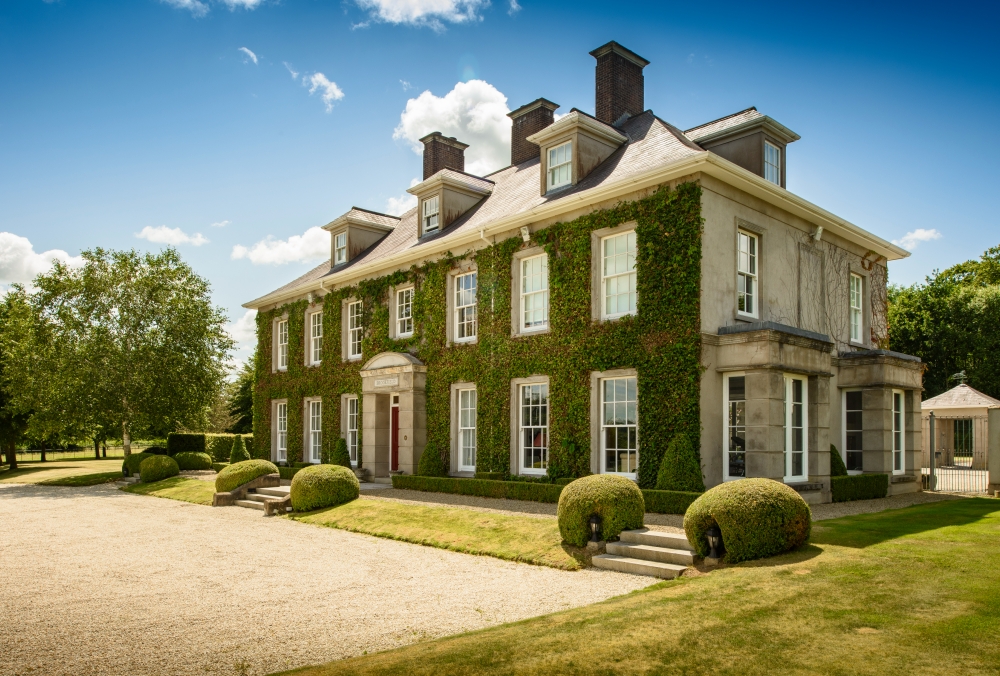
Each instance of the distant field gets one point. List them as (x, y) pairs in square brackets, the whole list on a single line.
[(38, 472)]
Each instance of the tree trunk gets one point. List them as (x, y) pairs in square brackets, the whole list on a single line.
[(105, 450), (126, 441), (43, 451), (12, 455), (97, 449)]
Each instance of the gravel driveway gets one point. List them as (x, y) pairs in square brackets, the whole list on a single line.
[(97, 581)]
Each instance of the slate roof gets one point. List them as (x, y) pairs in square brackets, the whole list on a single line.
[(384, 220), (722, 123), (961, 396)]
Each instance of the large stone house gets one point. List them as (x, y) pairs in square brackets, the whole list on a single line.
[(623, 284)]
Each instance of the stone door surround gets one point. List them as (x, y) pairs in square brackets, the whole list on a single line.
[(383, 375)]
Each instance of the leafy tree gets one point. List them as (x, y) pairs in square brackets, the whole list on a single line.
[(241, 399), (13, 422)]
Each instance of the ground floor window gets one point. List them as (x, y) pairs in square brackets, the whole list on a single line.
[(898, 441), (796, 427), (619, 426), (281, 427), (736, 427), (853, 431), (533, 427), (352, 429), (467, 430), (315, 431)]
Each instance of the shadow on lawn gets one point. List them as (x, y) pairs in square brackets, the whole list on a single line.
[(864, 530), (8, 476)]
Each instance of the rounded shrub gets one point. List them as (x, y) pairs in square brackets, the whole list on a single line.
[(239, 452), (237, 474), (323, 486), (131, 464), (157, 468), (187, 460), (758, 518), (615, 499), (341, 456)]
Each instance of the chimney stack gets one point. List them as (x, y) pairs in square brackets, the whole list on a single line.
[(527, 120), (442, 152), (619, 85)]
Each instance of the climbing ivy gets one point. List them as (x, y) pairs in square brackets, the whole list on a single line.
[(661, 341)]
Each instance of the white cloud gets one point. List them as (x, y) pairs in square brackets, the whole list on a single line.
[(244, 329), (20, 264), (514, 8), (295, 73), (161, 234), (330, 91), (314, 244), (474, 112), (249, 55), (430, 13), (242, 4), (194, 6), (220, 224), (910, 240), (406, 85), (397, 206)]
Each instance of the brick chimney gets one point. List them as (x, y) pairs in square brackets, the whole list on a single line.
[(529, 119), (442, 152), (619, 83)]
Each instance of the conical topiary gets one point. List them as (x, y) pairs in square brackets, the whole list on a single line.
[(340, 455), (239, 452), (431, 463), (680, 469), (837, 466)]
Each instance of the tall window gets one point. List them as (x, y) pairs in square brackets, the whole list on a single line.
[(853, 430), (315, 431), (772, 163), (898, 441), (736, 427), (316, 337), (282, 332), (560, 166), (404, 313), (746, 282), (465, 307), (432, 210), (352, 429), (535, 293), (534, 428), (354, 330), (856, 301), (281, 427), (618, 274), (619, 426), (795, 428), (467, 430), (340, 248)]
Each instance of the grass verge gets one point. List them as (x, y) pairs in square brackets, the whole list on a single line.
[(514, 538), (83, 479), (177, 488), (38, 472), (899, 592)]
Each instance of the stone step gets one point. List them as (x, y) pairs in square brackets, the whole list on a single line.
[(252, 504), (656, 538), (625, 564), (276, 492), (683, 557), (382, 480), (256, 497)]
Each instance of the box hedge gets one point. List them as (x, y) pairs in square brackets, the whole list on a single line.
[(130, 465), (236, 475), (859, 487), (185, 442), (219, 446), (189, 461), (219, 466), (156, 468), (668, 502), (323, 486), (289, 472), (616, 500), (837, 466)]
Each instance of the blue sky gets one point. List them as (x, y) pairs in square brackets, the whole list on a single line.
[(232, 127)]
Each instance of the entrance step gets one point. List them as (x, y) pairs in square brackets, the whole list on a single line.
[(382, 480), (252, 504), (277, 491), (656, 538), (682, 557), (626, 564)]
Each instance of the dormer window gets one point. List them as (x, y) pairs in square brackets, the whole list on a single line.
[(772, 163), (340, 248), (432, 210), (560, 166)]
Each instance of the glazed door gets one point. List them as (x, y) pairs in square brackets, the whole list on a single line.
[(394, 434)]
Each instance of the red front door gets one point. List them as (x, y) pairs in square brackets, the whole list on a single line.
[(394, 440)]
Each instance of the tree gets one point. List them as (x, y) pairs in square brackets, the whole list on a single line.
[(241, 399), (13, 422)]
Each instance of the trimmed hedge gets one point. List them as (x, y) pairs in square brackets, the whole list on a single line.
[(323, 486), (617, 500), (758, 518), (491, 476), (184, 442), (341, 456), (236, 475), (668, 502), (156, 450), (239, 452), (289, 472), (219, 466), (431, 463), (131, 464), (484, 488), (187, 460), (680, 468), (859, 487), (837, 466), (156, 468)]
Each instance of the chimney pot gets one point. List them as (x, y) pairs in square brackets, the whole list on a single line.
[(442, 152), (619, 83), (527, 120)]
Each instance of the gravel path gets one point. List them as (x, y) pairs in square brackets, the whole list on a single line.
[(97, 581)]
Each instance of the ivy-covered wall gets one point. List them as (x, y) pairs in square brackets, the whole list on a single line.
[(661, 341)]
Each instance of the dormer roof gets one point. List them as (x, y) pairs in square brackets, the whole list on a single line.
[(737, 123), (363, 217), (454, 179), (578, 119)]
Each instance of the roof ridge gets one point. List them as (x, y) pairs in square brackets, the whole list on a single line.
[(680, 135), (377, 213), (724, 117)]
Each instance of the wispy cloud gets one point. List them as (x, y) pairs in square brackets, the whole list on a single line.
[(20, 264), (220, 224), (250, 56), (397, 206), (514, 8), (912, 239), (406, 85), (314, 244), (430, 13), (329, 91), (196, 7), (242, 4), (161, 234), (294, 73)]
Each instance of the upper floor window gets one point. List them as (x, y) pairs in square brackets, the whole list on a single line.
[(404, 313), (282, 331), (340, 248), (431, 211), (856, 303), (465, 307), (746, 282), (772, 163), (535, 293), (618, 275), (316, 337), (354, 330), (560, 167), (619, 426)]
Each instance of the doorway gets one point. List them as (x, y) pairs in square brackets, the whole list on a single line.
[(394, 434)]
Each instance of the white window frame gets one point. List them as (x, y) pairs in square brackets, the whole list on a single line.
[(748, 271), (399, 309), (351, 429), (281, 338), (543, 426), (355, 329), (728, 426), (340, 248), (844, 430), (898, 432), (542, 293), (281, 431), (430, 208), (561, 174), (467, 424), (856, 307), (461, 310), (314, 430), (628, 274), (772, 170), (315, 337), (632, 426), (789, 429)]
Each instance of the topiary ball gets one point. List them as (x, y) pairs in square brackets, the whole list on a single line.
[(617, 500), (758, 518), (188, 460), (240, 473), (131, 464), (323, 486), (157, 468), (239, 452)]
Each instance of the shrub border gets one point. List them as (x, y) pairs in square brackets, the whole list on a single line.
[(859, 487)]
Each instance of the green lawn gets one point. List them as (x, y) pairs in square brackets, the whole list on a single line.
[(900, 592), (83, 479), (38, 472), (515, 538), (177, 488)]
